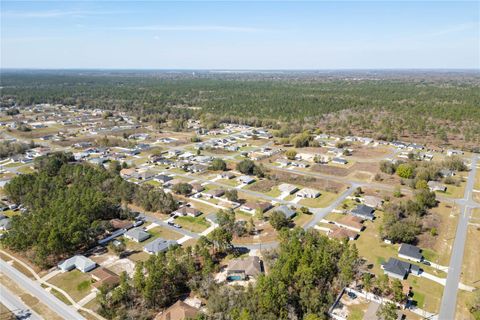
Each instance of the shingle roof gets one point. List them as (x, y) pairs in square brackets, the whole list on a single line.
[(159, 245), (396, 266), (138, 234), (287, 212), (251, 266), (410, 251)]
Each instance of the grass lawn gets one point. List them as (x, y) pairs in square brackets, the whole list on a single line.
[(153, 183), (290, 197), (12, 165), (321, 202), (477, 180), (228, 182), (77, 284), (60, 296), (163, 233), (464, 299), (453, 191), (139, 256), (357, 311), (432, 293), (197, 224), (301, 219), (347, 204), (334, 216), (203, 207), (25, 169), (11, 213), (274, 192), (471, 259)]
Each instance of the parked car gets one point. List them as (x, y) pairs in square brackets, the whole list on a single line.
[(177, 226), (352, 295), (426, 263), (170, 223)]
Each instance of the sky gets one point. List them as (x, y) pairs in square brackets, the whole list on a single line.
[(240, 35)]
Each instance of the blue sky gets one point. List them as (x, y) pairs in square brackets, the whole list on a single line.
[(240, 35)]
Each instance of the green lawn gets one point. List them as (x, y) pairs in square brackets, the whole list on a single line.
[(164, 233), (453, 191), (25, 169), (419, 298), (228, 182), (77, 284), (274, 192), (321, 202), (197, 224)]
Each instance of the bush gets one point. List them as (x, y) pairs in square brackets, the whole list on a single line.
[(182, 188)]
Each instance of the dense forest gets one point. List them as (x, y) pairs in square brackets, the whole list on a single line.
[(443, 107), (68, 206)]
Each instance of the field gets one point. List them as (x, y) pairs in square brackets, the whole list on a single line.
[(197, 224), (322, 201), (75, 282)]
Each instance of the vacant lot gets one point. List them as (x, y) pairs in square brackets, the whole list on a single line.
[(197, 224), (263, 186), (444, 218), (308, 181), (77, 284), (321, 202)]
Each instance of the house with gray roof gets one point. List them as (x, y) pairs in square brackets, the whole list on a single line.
[(409, 252), (5, 224), (159, 245), (396, 268), (436, 186), (364, 212), (246, 179), (287, 188), (137, 234), (79, 262), (286, 211)]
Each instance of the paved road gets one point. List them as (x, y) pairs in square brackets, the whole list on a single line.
[(34, 288), (449, 299), (16, 306)]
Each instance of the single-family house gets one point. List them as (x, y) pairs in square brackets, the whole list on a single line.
[(158, 245), (162, 178), (127, 173), (243, 268), (409, 252), (252, 207), (137, 234), (364, 212), (5, 224), (308, 193), (287, 188), (339, 161), (226, 175), (178, 311), (286, 211), (79, 262), (342, 233), (217, 193), (436, 186), (351, 222), (197, 187), (104, 276), (246, 179), (373, 201), (187, 211), (400, 269)]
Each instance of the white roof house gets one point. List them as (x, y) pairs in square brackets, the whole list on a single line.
[(137, 234), (286, 187), (79, 262), (308, 193)]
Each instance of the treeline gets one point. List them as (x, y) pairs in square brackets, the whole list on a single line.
[(69, 205), (11, 148), (442, 109)]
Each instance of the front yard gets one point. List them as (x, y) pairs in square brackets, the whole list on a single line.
[(77, 284)]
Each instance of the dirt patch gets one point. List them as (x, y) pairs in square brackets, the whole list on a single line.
[(367, 152), (334, 171)]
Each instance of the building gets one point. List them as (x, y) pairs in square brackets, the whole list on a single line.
[(5, 224), (409, 252), (162, 178), (187, 211), (226, 175), (436, 186), (79, 262), (246, 179), (308, 193), (197, 187), (137, 234), (342, 233), (243, 268), (217, 193), (364, 212), (159, 245), (178, 311), (339, 161), (252, 207), (287, 188), (372, 201), (351, 223), (286, 211), (104, 276), (400, 269)]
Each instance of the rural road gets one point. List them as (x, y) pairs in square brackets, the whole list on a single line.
[(16, 306), (449, 299), (41, 294)]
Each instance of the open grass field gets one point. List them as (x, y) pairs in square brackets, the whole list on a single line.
[(76, 283), (454, 191), (464, 299), (197, 224)]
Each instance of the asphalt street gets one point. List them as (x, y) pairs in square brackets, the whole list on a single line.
[(449, 299)]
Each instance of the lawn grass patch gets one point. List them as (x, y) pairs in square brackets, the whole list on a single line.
[(197, 224), (73, 282)]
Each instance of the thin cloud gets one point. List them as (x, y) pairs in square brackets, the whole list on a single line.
[(196, 28)]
